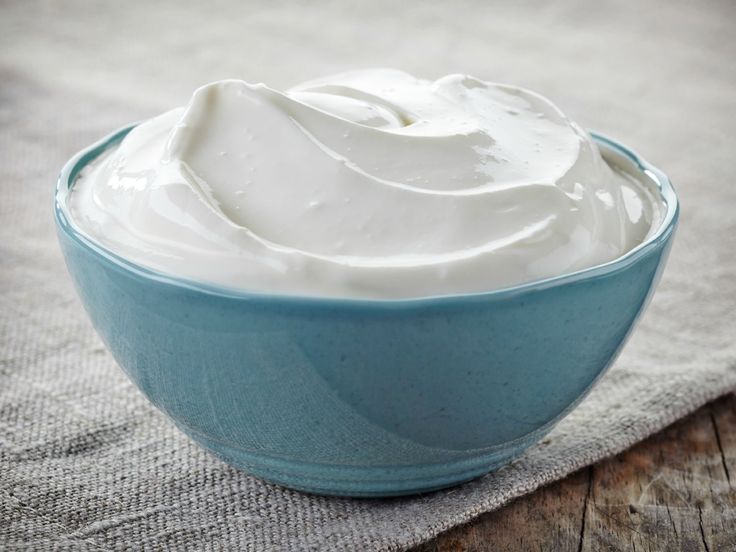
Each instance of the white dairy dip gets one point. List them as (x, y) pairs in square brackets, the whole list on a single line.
[(370, 184)]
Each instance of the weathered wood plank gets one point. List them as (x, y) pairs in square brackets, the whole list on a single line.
[(670, 493), (674, 491)]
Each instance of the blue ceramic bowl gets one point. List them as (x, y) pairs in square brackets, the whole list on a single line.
[(364, 397)]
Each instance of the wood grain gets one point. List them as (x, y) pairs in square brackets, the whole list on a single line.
[(674, 491)]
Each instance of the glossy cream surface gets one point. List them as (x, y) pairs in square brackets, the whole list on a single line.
[(369, 184)]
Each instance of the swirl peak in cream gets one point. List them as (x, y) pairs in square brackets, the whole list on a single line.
[(369, 184)]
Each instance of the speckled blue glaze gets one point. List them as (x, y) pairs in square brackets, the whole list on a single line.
[(363, 397)]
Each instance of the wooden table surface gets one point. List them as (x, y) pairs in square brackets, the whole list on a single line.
[(674, 491)]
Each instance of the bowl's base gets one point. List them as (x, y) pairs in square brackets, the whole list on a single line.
[(371, 481)]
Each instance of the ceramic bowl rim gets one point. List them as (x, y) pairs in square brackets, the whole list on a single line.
[(65, 225)]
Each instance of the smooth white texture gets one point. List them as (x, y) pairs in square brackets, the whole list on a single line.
[(366, 184)]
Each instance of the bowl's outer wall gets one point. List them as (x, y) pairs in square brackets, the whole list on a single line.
[(350, 386)]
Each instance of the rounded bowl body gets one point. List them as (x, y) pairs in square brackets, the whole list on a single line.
[(363, 397)]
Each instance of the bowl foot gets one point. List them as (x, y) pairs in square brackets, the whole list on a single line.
[(365, 481)]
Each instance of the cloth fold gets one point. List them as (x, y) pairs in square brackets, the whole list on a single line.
[(87, 464)]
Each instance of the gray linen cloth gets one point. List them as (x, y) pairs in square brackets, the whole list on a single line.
[(87, 464)]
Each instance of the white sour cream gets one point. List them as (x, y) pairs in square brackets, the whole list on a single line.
[(369, 184)]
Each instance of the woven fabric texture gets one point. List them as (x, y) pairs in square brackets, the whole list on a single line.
[(87, 464)]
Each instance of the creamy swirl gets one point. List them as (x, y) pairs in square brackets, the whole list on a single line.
[(367, 184)]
